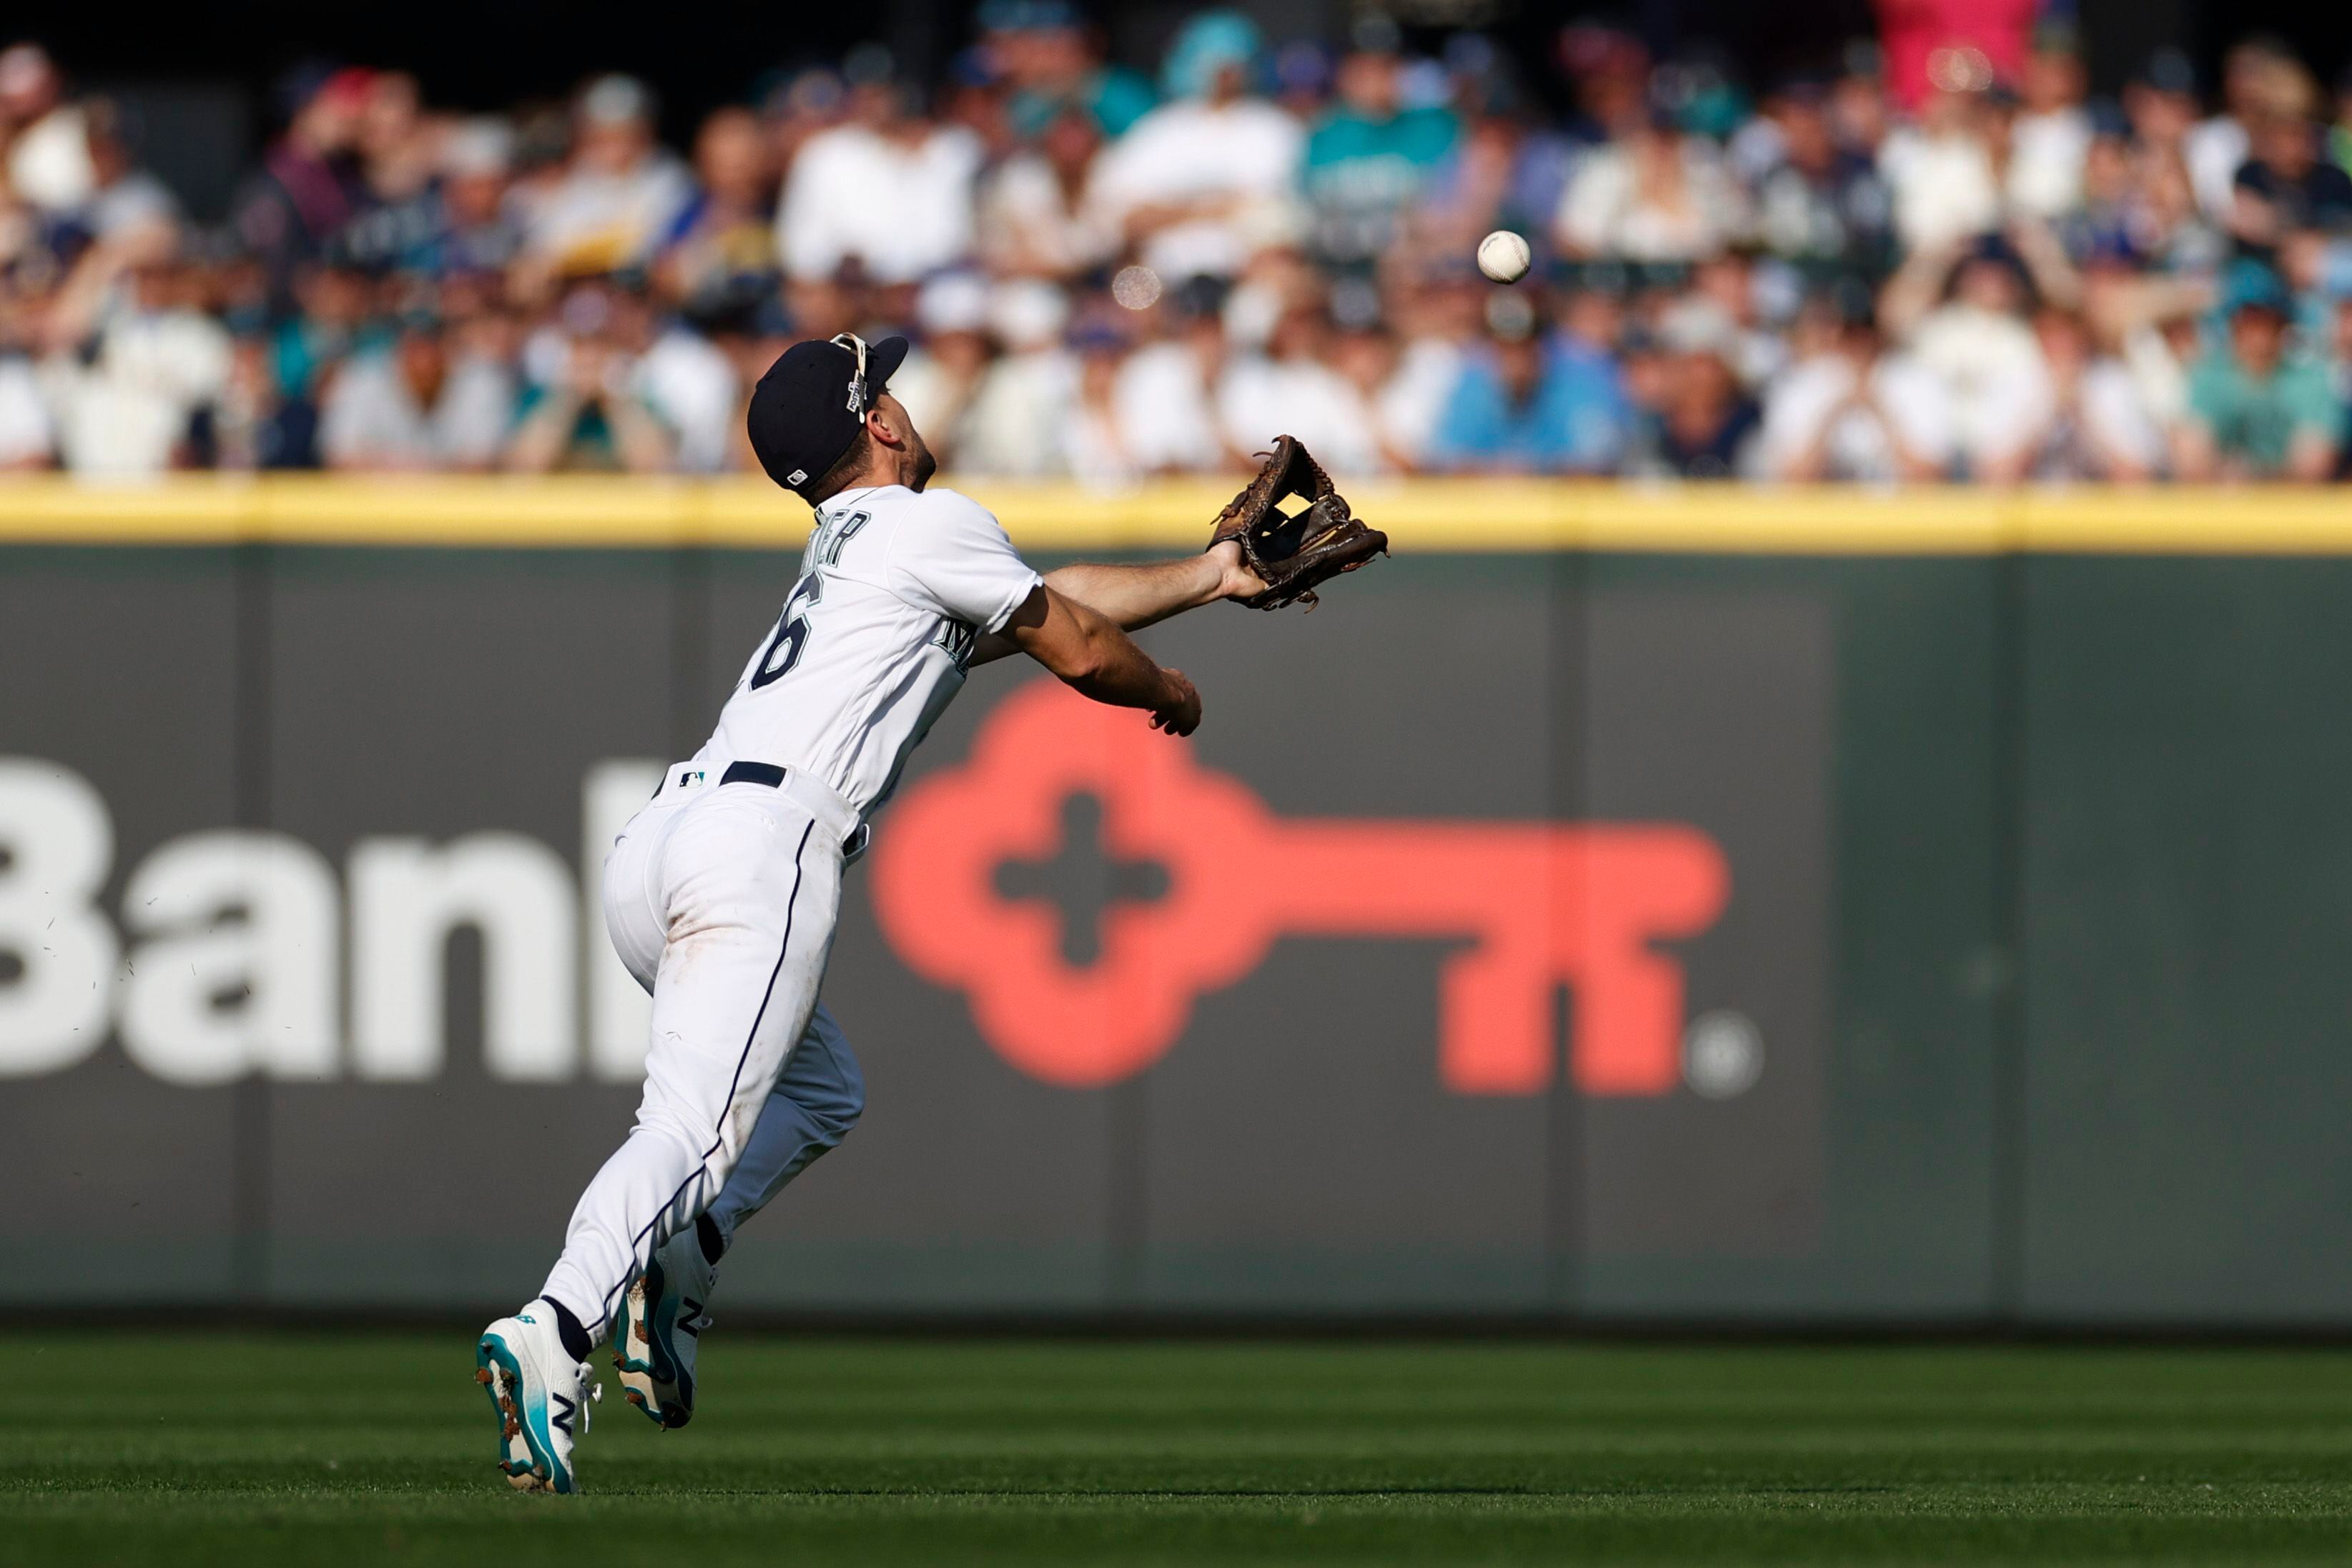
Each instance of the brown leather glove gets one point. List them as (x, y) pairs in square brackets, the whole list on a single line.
[(1292, 552)]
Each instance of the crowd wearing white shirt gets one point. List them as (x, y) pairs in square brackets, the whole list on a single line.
[(1108, 278)]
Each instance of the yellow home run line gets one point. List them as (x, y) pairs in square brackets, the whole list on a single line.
[(1422, 516)]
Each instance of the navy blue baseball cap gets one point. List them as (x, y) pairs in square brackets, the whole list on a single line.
[(813, 402)]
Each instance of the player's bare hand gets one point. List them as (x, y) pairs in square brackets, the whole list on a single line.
[(1178, 712), (1237, 581)]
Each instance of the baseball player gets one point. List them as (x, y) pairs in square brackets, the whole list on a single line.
[(721, 892)]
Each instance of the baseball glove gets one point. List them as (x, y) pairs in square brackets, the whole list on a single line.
[(1292, 552)]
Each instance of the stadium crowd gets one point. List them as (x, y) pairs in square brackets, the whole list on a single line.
[(1983, 275)]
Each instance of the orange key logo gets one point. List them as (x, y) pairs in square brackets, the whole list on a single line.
[(1539, 905)]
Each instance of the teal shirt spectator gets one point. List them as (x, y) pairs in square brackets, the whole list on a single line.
[(2254, 421), (1115, 96), (1361, 171), (1118, 97), (1351, 157), (1576, 420)]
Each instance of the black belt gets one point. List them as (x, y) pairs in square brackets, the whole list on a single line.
[(769, 774)]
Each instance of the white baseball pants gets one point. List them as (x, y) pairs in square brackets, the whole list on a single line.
[(722, 898)]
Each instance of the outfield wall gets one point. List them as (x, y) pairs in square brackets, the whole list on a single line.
[(1662, 904)]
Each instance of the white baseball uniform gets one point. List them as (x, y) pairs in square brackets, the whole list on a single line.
[(721, 892)]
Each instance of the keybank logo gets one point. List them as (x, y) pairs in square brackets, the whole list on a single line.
[(1213, 877), (227, 954), (235, 951)]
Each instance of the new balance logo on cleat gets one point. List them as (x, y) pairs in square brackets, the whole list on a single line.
[(561, 1419), (691, 1319)]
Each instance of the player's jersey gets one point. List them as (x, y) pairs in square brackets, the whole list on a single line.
[(895, 588)]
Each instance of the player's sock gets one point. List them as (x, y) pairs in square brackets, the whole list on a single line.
[(706, 1231), (576, 1343)]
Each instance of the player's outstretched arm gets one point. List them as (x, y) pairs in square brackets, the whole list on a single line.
[(1099, 661), (1132, 596)]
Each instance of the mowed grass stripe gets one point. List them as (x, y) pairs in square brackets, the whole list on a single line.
[(138, 1447)]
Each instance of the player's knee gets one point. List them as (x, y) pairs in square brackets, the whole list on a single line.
[(845, 1112), (671, 1126)]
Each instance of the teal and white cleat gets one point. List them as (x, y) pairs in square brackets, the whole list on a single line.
[(540, 1396), (662, 1321)]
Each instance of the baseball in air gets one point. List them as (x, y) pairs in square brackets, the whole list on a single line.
[(1504, 257)]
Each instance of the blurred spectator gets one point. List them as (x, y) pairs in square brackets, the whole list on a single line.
[(474, 226), (1978, 344), (2257, 410), (122, 197), (48, 147), (943, 370), (1657, 195), (1095, 448), (2284, 183), (27, 438), (618, 194), (1503, 173), (1821, 204), (1292, 388), (1163, 395), (1013, 422), (1052, 61), (1035, 219), (338, 317), (155, 366), (410, 407), (1211, 176), (1368, 157), (308, 186), (2101, 222), (608, 386), (677, 373), (2050, 136), (1366, 358), (2216, 147), (1526, 406), (1611, 72), (2160, 103), (717, 258), (2099, 426), (887, 189), (1942, 170), (1730, 283), (1844, 410), (1704, 425), (397, 149), (1438, 323), (2168, 229), (255, 425)]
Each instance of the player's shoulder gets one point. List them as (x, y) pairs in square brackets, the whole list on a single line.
[(943, 512)]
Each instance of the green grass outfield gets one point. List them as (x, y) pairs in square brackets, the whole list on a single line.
[(349, 1448)]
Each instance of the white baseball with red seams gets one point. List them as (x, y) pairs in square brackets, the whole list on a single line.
[(1505, 256)]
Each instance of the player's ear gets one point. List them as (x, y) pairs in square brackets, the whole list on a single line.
[(886, 422)]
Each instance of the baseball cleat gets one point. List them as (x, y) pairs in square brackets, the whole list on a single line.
[(537, 1392), (662, 1321)]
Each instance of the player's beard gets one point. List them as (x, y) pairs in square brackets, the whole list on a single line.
[(925, 464)]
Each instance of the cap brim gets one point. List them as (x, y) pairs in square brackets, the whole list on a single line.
[(882, 362)]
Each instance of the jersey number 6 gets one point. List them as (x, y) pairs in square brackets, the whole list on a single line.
[(784, 649)]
